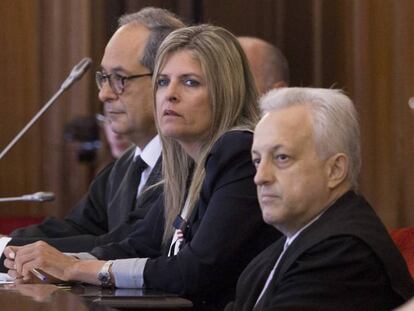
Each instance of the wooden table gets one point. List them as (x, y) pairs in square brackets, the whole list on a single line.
[(85, 297)]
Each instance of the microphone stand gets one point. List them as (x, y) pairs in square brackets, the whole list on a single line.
[(76, 73)]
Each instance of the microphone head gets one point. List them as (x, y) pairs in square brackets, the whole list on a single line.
[(43, 196), (79, 70)]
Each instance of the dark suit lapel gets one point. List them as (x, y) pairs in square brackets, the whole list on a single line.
[(303, 242), (319, 230), (259, 278), (307, 239), (122, 200), (298, 247)]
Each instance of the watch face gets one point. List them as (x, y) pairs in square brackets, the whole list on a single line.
[(104, 278)]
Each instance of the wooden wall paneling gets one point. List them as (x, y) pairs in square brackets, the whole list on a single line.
[(382, 108), (378, 178), (318, 55), (189, 11), (243, 17), (351, 62), (100, 31), (19, 59), (356, 57), (378, 49), (81, 100), (65, 30), (360, 81), (335, 58), (402, 79), (185, 9), (364, 47), (267, 19), (135, 5), (102, 25), (298, 41)]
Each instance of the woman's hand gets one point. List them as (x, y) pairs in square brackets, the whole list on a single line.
[(42, 257)]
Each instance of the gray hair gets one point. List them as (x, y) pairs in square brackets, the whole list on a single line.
[(160, 23), (335, 121)]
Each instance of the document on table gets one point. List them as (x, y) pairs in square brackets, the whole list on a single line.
[(5, 278)]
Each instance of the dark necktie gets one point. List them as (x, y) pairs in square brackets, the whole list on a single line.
[(133, 179)]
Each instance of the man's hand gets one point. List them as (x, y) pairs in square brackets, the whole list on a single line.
[(10, 253)]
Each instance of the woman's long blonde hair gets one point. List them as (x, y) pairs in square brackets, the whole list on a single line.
[(233, 99)]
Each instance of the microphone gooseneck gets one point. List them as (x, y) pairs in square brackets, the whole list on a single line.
[(77, 72)]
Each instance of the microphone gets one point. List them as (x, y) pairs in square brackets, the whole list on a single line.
[(77, 72), (35, 197)]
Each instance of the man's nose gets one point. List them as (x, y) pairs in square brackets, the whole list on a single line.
[(106, 92), (263, 174)]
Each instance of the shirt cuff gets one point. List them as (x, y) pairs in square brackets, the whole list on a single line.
[(82, 256), (3, 243), (129, 273)]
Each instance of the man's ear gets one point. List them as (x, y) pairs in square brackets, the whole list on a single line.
[(337, 168)]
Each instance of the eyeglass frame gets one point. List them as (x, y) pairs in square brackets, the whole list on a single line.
[(99, 75)]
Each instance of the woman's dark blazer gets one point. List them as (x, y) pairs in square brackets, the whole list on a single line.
[(225, 231)]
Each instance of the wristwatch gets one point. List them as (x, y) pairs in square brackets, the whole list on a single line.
[(104, 276)]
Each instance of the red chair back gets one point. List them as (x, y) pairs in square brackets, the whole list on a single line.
[(404, 239)]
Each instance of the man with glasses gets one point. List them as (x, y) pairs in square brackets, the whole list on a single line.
[(121, 194)]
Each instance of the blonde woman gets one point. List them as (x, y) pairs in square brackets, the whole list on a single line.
[(208, 225)]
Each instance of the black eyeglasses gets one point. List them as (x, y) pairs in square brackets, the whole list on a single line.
[(116, 81)]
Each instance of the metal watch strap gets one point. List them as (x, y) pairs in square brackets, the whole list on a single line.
[(104, 276)]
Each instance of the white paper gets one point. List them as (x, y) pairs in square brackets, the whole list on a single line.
[(5, 278)]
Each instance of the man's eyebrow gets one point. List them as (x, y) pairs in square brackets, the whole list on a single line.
[(115, 69), (272, 148)]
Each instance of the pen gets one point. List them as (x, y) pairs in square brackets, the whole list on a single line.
[(39, 275)]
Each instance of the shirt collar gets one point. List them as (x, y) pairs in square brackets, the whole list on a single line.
[(151, 152)]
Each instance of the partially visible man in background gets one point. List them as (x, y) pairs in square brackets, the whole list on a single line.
[(268, 64)]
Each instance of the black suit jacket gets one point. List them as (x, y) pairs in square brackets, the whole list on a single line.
[(102, 216), (225, 231), (343, 261)]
